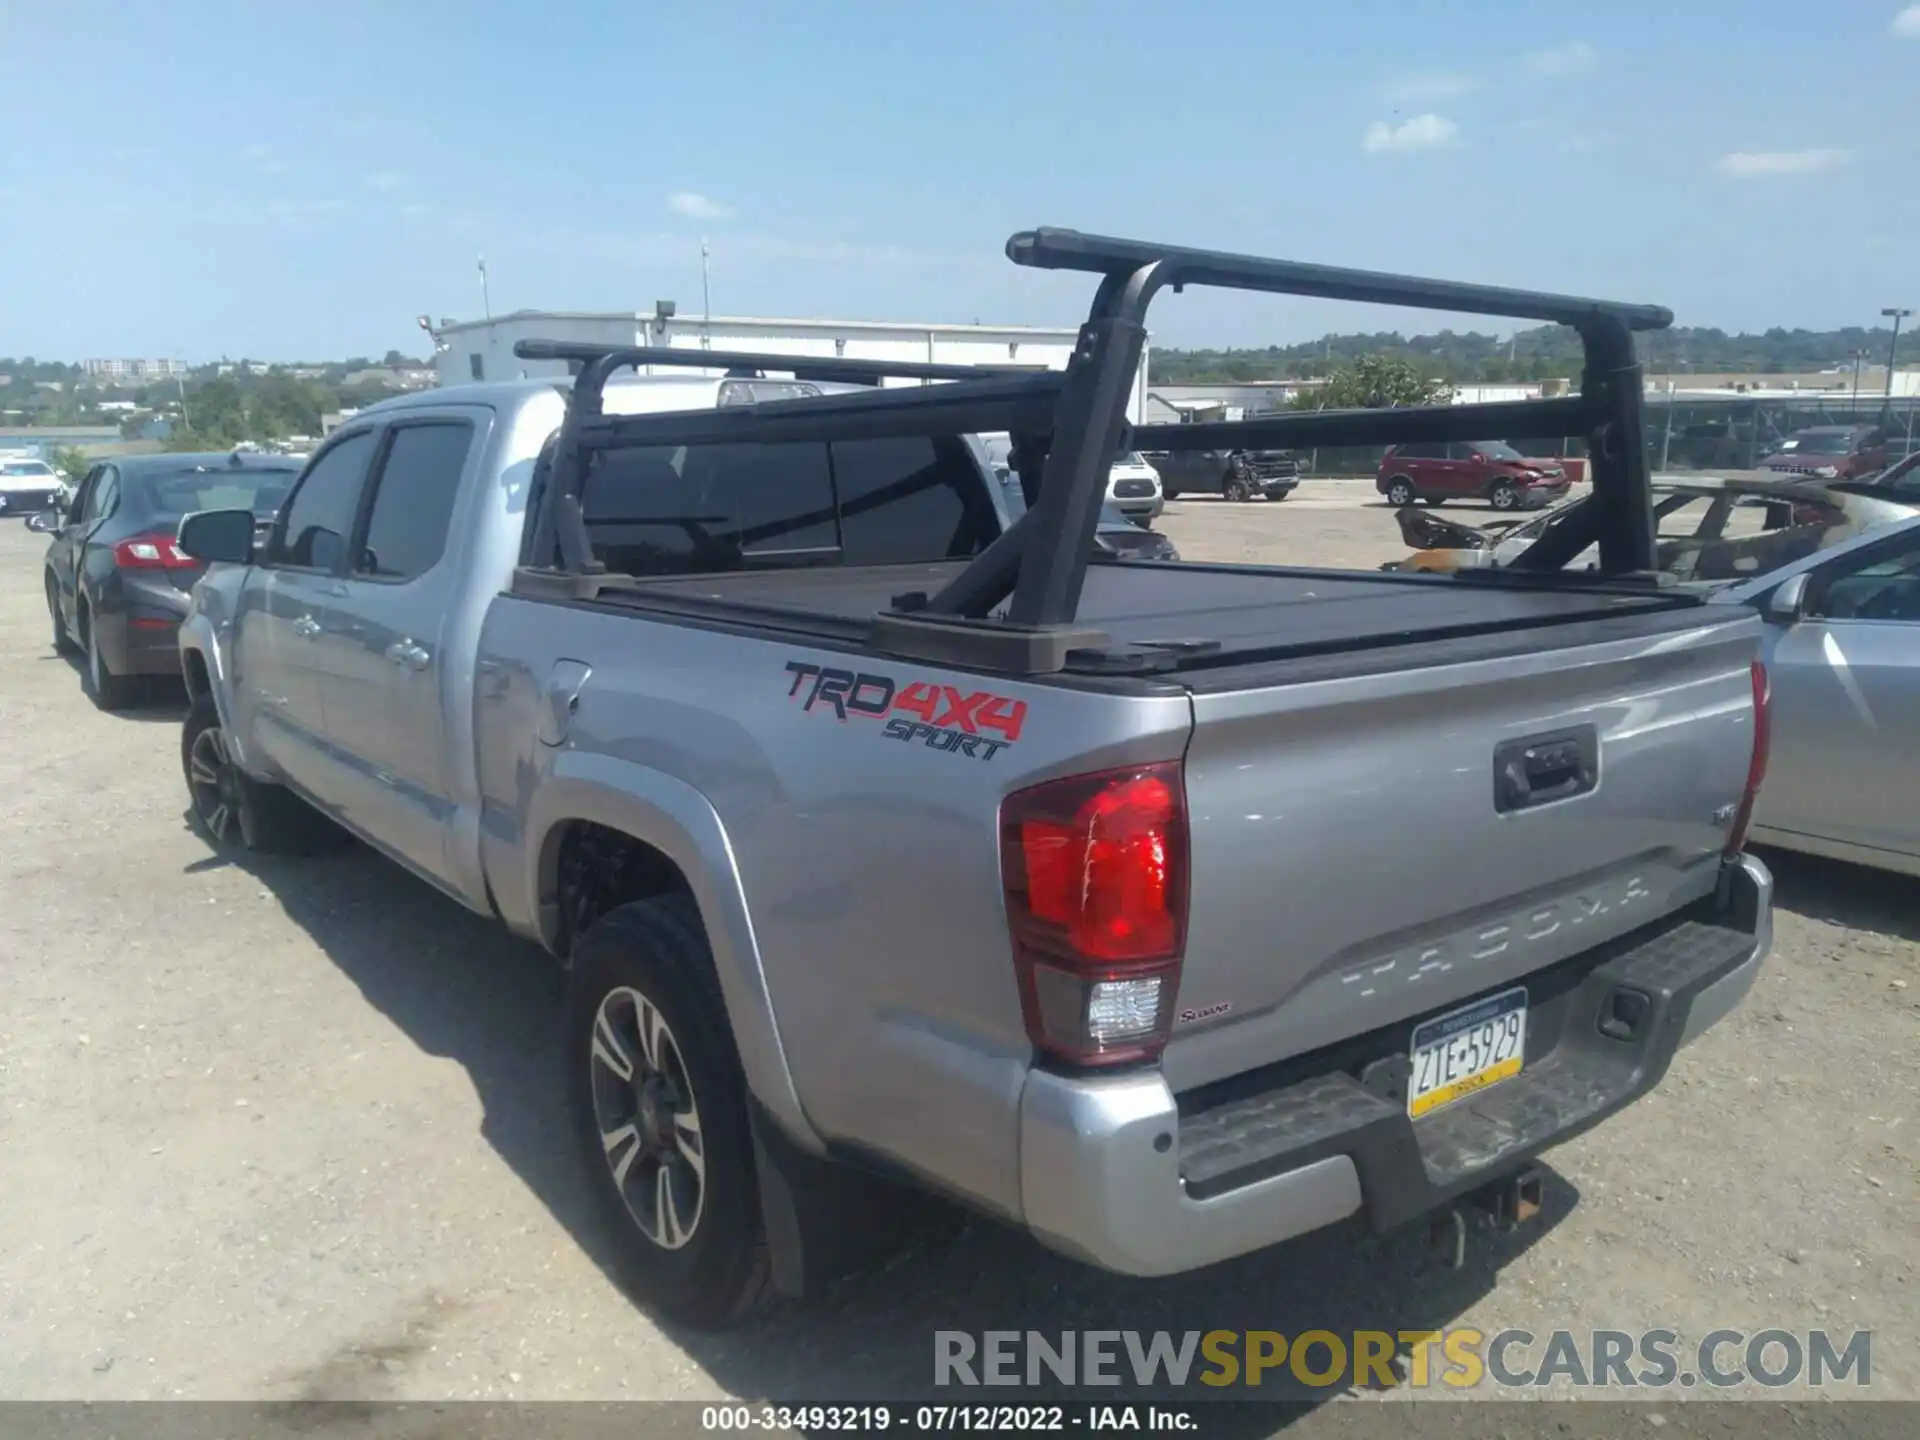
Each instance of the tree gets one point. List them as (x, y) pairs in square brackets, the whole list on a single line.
[(1374, 382), (71, 461)]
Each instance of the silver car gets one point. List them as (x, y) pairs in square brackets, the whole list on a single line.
[(1843, 651)]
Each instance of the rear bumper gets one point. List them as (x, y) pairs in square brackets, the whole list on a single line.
[(1118, 1172), (1142, 507), (139, 632)]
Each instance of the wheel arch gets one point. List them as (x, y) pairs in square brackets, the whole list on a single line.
[(654, 834)]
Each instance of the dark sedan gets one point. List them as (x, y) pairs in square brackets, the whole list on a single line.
[(117, 585)]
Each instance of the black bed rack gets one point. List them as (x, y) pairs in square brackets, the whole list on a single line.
[(1014, 606)]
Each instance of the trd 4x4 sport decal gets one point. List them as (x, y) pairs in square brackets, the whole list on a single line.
[(942, 717)]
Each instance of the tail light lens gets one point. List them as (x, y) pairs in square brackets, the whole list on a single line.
[(1095, 872), (1757, 766), (152, 552)]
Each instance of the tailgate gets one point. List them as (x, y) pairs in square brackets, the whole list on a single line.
[(1355, 863)]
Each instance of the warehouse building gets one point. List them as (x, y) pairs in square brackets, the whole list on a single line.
[(483, 349)]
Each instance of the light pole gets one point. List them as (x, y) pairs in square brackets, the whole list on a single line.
[(486, 300), (706, 300), (1858, 356), (1895, 314)]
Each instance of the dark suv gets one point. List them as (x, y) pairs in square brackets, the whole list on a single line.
[(1831, 452), (1489, 470), (1236, 474)]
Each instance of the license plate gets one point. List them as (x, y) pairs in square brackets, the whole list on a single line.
[(1466, 1050)]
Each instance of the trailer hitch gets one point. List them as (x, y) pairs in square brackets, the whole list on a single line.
[(1510, 1202)]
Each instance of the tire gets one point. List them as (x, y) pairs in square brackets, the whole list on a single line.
[(1504, 497), (107, 690), (1400, 492), (235, 812), (62, 641), (1169, 492), (1276, 496), (683, 1204)]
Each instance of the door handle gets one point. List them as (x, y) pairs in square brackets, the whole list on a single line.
[(405, 652), (306, 627)]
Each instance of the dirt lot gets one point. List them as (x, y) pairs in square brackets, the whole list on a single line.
[(291, 1129)]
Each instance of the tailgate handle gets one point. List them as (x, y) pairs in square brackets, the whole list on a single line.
[(1543, 768)]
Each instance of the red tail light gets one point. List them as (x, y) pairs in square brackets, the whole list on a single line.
[(152, 552), (1095, 871), (1757, 766)]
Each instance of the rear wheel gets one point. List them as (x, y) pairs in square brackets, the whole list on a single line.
[(62, 641), (110, 691), (660, 1110), (236, 811), (1504, 496), (1400, 492)]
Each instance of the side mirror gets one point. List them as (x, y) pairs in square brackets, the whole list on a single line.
[(45, 523), (218, 536), (1783, 605)]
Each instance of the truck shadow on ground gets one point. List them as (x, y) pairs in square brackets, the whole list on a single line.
[(459, 987)]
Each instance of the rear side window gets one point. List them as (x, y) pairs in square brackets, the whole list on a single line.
[(703, 509), (413, 500), (909, 500), (320, 515)]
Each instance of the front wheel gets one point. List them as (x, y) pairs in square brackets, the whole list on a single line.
[(660, 1111), (1169, 492), (1505, 497), (1400, 492), (232, 809)]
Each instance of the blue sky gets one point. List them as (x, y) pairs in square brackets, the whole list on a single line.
[(203, 178)]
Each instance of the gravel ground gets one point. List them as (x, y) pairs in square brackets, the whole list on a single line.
[(290, 1129)]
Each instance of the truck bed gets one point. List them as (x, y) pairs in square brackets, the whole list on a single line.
[(1316, 622)]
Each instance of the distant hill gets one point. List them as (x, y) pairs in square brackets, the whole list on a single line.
[(1537, 354)]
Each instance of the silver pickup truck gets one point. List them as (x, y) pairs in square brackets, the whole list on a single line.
[(1166, 910)]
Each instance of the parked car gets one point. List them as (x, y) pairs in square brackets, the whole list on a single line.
[(117, 585), (1114, 535), (1830, 452), (1489, 470), (1133, 488), (1710, 529), (879, 839), (1843, 657), (27, 485), (1239, 475)]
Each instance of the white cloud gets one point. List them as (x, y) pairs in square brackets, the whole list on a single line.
[(1431, 87), (692, 205), (1560, 59), (1907, 23), (1422, 132), (1749, 164), (385, 180)]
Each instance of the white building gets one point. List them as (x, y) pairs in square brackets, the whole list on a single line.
[(483, 349)]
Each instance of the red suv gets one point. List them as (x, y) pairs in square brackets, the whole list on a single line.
[(1489, 470), (1830, 452)]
